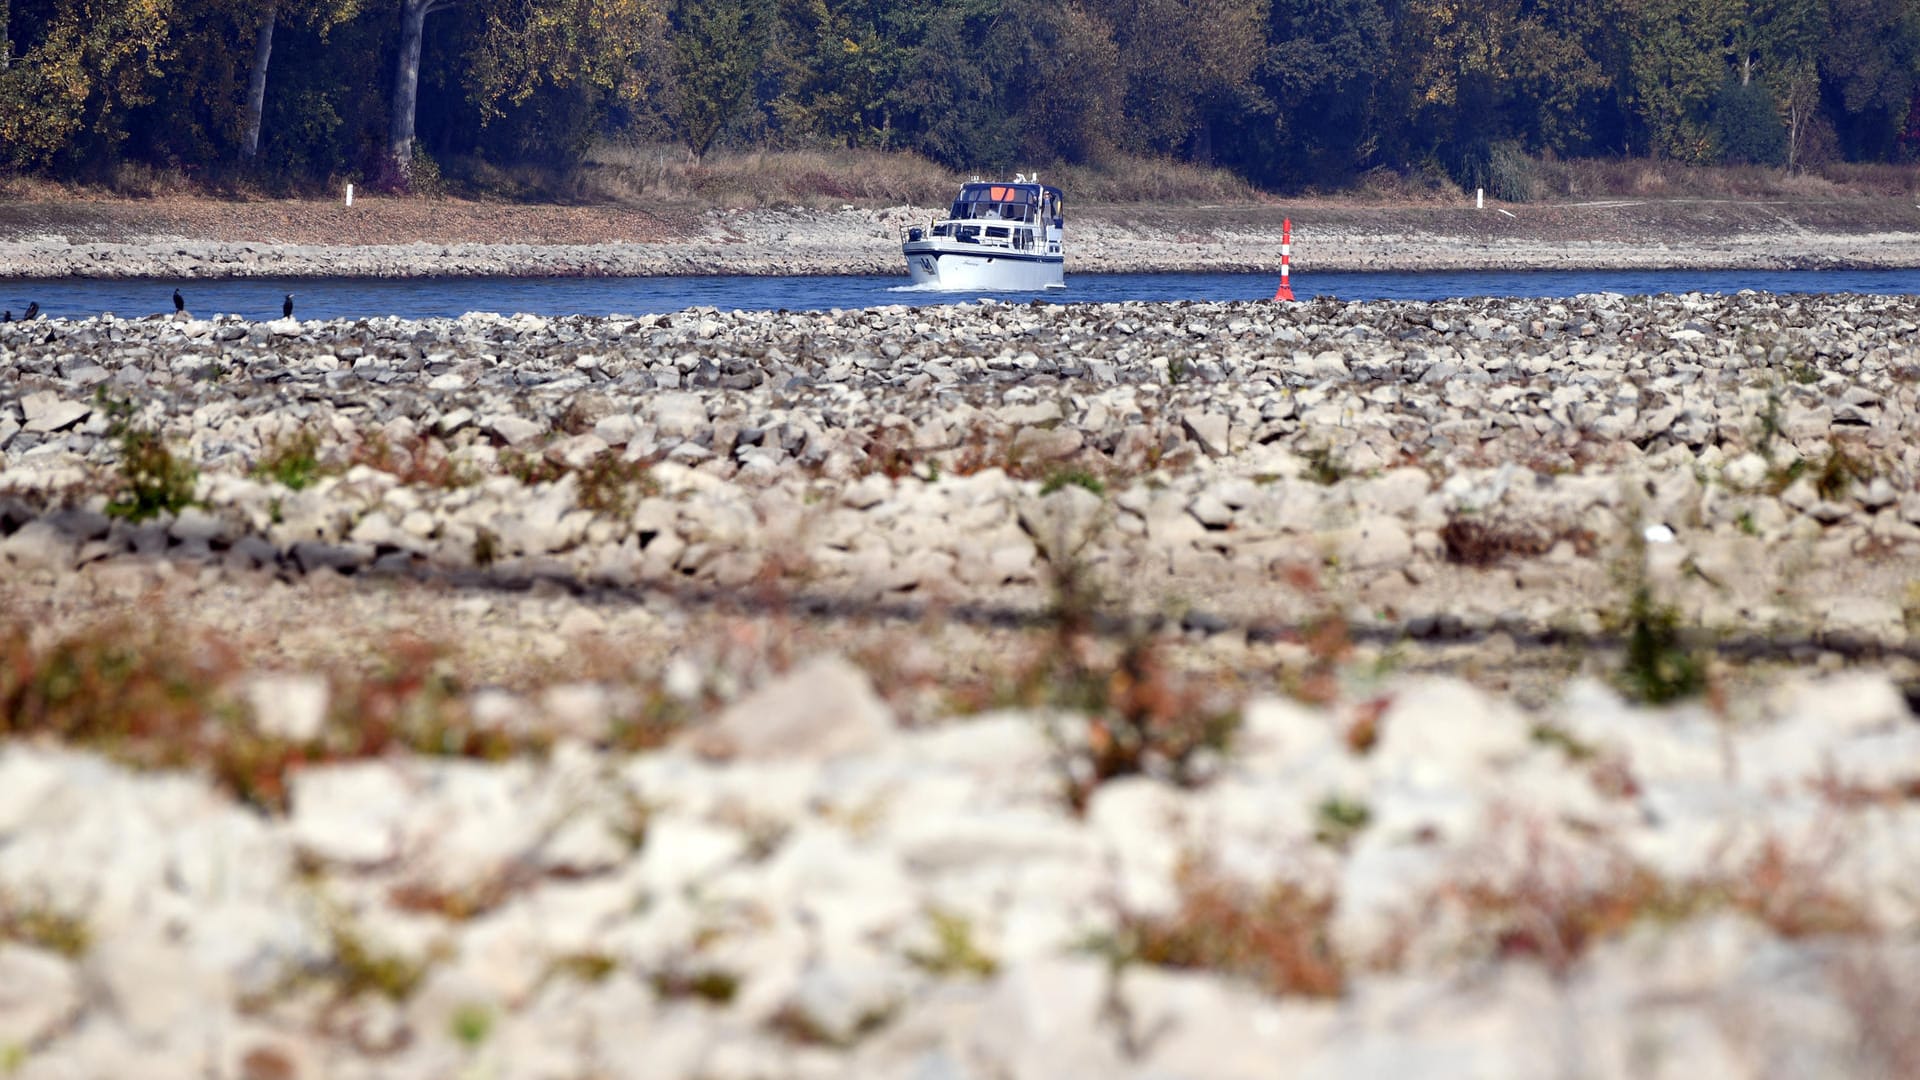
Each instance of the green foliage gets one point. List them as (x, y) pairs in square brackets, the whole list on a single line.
[(1553, 735), (717, 47), (1501, 168), (150, 95), (1657, 667), (82, 68), (1323, 467), (471, 1024), (1677, 65), (1746, 130), (44, 927), (292, 461), (486, 547), (955, 952), (1839, 471), (359, 967), (1340, 819), (425, 178), (152, 481), (715, 986), (1080, 478)]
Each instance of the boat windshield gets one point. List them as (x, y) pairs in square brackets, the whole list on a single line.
[(1007, 202)]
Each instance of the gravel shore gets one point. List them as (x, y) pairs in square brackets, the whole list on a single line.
[(977, 690), (1605, 235)]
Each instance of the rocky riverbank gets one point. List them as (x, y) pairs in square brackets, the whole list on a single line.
[(398, 238), (985, 689)]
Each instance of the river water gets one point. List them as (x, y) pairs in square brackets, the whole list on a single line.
[(332, 298)]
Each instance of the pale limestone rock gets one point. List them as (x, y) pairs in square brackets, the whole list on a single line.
[(843, 998), (823, 708), (581, 710), (349, 813), (1377, 543), (1441, 732), (679, 415), (1209, 429), (1141, 822), (37, 546), (843, 892), (289, 706), (1193, 1024), (47, 412), (1209, 510), (1682, 744), (1063, 522), (515, 431), (1046, 444), (39, 995), (678, 853), (1045, 1020)]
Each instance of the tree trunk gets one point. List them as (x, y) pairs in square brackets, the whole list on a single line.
[(257, 82), (6, 34), (406, 83), (1793, 134)]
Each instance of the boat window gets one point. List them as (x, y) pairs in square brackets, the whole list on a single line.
[(996, 202)]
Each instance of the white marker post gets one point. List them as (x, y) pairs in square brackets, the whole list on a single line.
[(1479, 199), (349, 194)]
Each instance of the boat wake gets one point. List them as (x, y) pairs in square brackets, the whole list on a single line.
[(933, 287)]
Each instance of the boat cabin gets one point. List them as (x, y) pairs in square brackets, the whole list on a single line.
[(1021, 216)]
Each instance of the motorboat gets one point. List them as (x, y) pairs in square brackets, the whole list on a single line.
[(997, 236)]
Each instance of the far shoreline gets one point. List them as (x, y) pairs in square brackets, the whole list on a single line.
[(198, 239)]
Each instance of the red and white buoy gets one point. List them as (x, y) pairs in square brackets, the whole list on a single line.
[(1285, 291)]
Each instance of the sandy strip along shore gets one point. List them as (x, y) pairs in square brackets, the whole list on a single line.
[(1617, 234), (481, 729)]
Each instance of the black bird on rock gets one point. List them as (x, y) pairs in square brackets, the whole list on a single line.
[(286, 307), (7, 316), (33, 311), (179, 302)]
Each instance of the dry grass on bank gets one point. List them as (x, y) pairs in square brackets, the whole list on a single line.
[(818, 178), (809, 178), (656, 176), (1642, 178)]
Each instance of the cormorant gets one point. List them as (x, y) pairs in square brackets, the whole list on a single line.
[(33, 311), (179, 302), (7, 317), (286, 307)]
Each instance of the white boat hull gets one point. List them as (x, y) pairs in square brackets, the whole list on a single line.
[(938, 264)]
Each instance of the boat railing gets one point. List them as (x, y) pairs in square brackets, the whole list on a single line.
[(1005, 235)]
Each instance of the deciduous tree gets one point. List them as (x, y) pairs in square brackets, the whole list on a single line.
[(66, 95), (718, 46), (1678, 64)]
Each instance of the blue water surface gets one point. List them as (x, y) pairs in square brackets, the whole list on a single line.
[(333, 298)]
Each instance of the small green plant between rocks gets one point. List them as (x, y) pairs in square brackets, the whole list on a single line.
[(359, 967), (43, 926), (1339, 820), (954, 951), (152, 480), (292, 461), (1080, 478), (715, 986), (1657, 667), (471, 1024), (1324, 468)]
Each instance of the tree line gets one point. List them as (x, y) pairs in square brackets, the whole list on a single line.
[(1287, 93)]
